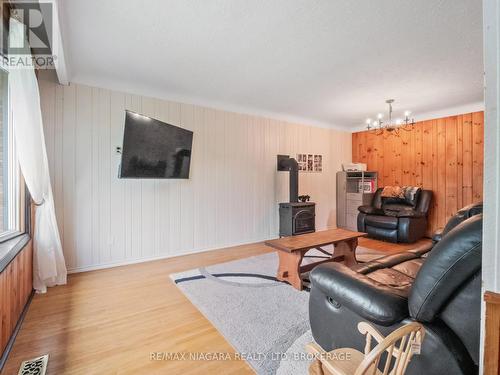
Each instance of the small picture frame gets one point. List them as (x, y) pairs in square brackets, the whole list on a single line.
[(318, 163), (302, 161), (312, 163)]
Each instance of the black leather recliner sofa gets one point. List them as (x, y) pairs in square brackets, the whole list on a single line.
[(461, 215), (440, 289), (394, 219)]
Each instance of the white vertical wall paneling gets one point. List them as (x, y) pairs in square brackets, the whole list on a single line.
[(148, 198), (219, 192), (491, 251), (199, 229), (106, 172), (231, 197), (259, 176), (83, 174), (158, 227), (279, 178), (164, 191), (95, 156), (117, 187), (273, 151), (491, 237), (133, 199), (303, 141), (174, 117), (47, 102), (254, 172), (57, 161), (68, 168), (186, 188), (211, 176)]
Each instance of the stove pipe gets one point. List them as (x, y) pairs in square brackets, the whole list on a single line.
[(291, 165)]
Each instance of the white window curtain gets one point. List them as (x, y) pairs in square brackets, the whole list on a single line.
[(49, 268)]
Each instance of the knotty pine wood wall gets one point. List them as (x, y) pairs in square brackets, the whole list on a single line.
[(15, 289), (443, 155)]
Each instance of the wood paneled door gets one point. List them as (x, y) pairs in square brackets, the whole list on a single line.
[(443, 155)]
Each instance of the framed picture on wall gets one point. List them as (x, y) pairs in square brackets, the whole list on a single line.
[(318, 163), (302, 161), (310, 163)]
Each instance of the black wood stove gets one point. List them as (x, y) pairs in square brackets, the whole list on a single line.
[(295, 217)]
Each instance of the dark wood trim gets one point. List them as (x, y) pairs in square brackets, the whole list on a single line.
[(492, 334)]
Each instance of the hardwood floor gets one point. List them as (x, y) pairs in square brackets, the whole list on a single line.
[(110, 321), (391, 248)]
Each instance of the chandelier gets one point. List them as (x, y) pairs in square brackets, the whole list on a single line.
[(379, 126)]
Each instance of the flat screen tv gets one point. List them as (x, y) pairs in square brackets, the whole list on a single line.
[(154, 149)]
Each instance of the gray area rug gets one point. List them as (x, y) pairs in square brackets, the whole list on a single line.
[(257, 315), (265, 320)]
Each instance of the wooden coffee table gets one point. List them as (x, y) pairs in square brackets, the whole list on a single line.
[(291, 251)]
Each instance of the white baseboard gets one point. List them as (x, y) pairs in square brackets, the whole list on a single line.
[(163, 256), (126, 262)]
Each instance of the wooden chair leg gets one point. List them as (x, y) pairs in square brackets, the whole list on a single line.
[(316, 368)]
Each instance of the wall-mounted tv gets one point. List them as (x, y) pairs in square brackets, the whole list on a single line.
[(154, 149)]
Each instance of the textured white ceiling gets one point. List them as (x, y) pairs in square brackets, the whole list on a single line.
[(328, 62)]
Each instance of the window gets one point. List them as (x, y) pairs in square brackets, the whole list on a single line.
[(11, 186)]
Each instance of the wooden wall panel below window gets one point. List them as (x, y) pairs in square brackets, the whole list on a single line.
[(492, 334), (15, 290), (443, 155)]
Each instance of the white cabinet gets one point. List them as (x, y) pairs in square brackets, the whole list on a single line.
[(354, 189)]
